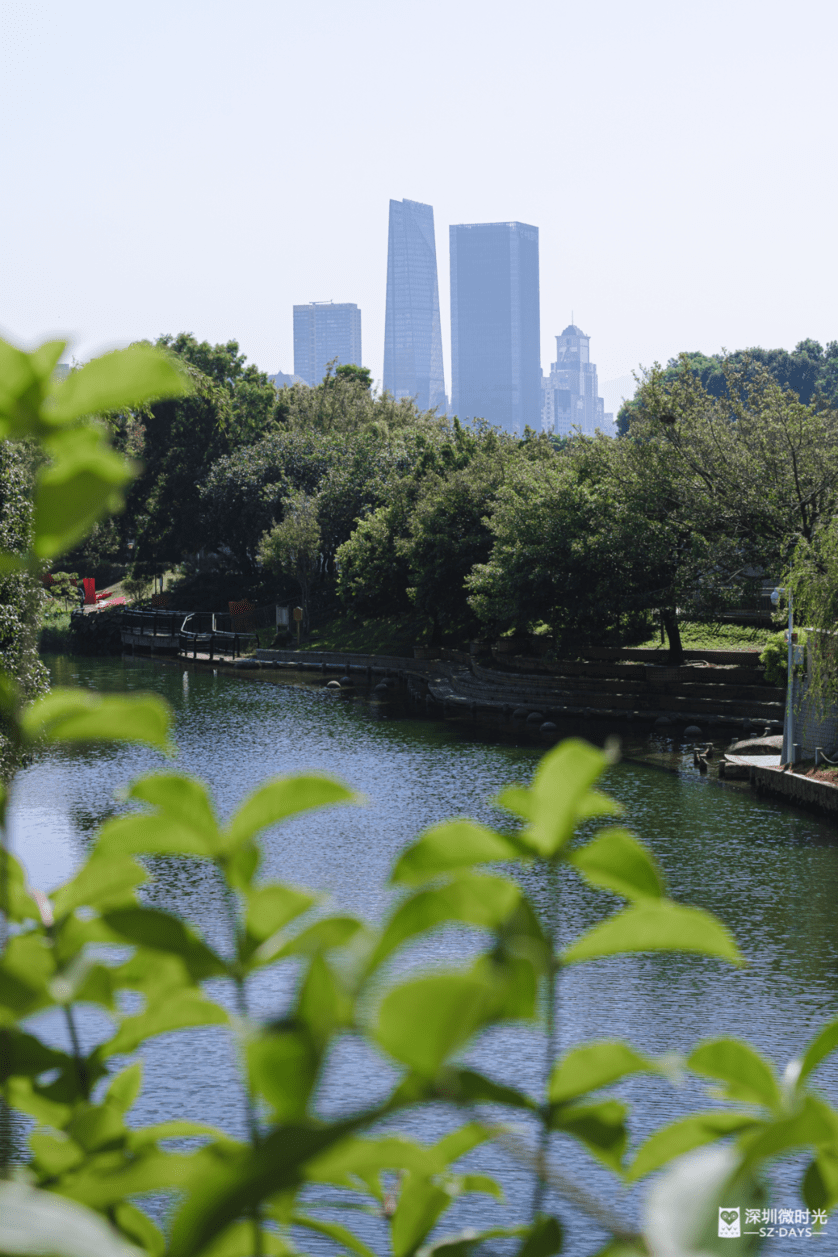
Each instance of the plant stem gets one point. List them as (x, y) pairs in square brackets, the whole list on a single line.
[(81, 1071), (551, 1012)]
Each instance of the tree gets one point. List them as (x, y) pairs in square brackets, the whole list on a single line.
[(360, 375), (292, 547)]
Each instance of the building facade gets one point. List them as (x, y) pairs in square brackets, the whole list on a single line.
[(323, 331), (496, 324), (569, 395), (412, 330)]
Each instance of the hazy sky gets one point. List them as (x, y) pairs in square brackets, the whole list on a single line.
[(201, 166)]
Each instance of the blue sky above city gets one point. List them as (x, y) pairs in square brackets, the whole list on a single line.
[(191, 165)]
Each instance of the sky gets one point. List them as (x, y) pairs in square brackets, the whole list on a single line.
[(191, 165)]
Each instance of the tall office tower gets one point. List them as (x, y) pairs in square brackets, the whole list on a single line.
[(412, 333), (324, 331), (569, 393), (495, 324)]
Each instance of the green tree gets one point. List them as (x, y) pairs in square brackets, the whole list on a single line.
[(292, 547)]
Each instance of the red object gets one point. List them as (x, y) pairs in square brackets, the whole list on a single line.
[(89, 590)]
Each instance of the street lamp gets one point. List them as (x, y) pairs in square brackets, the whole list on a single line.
[(788, 731)]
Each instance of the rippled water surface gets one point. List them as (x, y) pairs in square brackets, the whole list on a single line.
[(771, 874)]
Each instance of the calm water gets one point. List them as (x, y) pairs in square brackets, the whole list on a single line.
[(766, 871)]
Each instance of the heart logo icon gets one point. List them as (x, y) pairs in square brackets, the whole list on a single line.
[(729, 1215)]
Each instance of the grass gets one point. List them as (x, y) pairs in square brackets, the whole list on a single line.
[(715, 636), (392, 635)]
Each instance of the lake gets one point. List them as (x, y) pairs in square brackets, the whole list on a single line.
[(769, 873)]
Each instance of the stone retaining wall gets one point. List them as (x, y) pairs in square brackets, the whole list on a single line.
[(806, 792)]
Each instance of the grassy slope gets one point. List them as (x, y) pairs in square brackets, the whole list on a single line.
[(715, 637)]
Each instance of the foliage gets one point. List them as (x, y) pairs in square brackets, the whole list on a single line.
[(812, 581), (64, 587), (293, 547), (809, 370), (88, 1166)]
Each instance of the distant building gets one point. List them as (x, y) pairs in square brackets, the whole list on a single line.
[(283, 380), (495, 324), (324, 331), (412, 331), (569, 394)]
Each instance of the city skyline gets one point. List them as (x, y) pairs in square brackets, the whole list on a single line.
[(413, 364), (570, 393), (495, 324)]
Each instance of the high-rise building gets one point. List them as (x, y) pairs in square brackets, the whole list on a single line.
[(495, 324), (324, 331), (412, 332), (569, 393)]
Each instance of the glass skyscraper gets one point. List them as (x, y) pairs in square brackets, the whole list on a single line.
[(412, 333), (496, 324), (324, 331)]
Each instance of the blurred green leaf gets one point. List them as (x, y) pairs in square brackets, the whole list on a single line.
[(334, 1231), (423, 1021), (283, 1069), (814, 1124), (561, 796), (269, 909), (125, 1088), (65, 715), (420, 1203), (25, 380), (81, 483), (820, 1182), (184, 823), (284, 797), (321, 936), (616, 861), (100, 883), (55, 1154), (183, 1009), (159, 931), (593, 1066), (825, 1042), (600, 1127), (237, 1241), (477, 898), (687, 1133), (32, 1222), (139, 1228), (466, 1086), (544, 1238), (20, 904), (748, 1075), (656, 926), (117, 381), (451, 845)]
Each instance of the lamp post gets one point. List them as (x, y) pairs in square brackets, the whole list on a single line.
[(788, 730)]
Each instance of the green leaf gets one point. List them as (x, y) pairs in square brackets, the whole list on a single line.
[(125, 1088), (321, 936), (146, 927), (561, 796), (422, 1022), (183, 1009), (593, 1066), (283, 1069), (545, 1238), (284, 797), (325, 1006), (600, 1127), (100, 883), (476, 898), (25, 381), (451, 845), (459, 1142), (825, 1042), (238, 1241), (687, 1133), (184, 823), (55, 1154), (66, 715), (269, 909), (748, 1075), (420, 1204), (466, 1086), (21, 906), (364, 1158), (820, 1182), (334, 1231), (463, 1243), (814, 1124), (82, 482), (117, 381), (138, 1227), (656, 926), (616, 861), (32, 1221)]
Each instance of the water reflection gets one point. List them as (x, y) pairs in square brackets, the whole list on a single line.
[(767, 872)]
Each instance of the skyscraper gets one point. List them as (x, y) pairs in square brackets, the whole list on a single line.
[(495, 324), (412, 333), (569, 393), (324, 331)]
